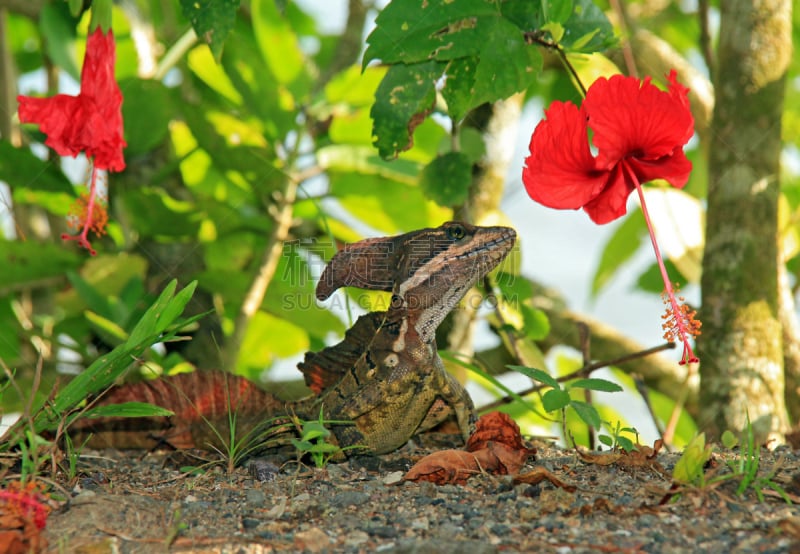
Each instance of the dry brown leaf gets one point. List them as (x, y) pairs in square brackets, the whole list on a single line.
[(445, 466), (540, 474), (643, 456), (495, 427)]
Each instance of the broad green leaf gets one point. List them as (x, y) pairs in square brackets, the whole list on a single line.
[(506, 63), (555, 399), (536, 375), (620, 248), (128, 409), (557, 11), (56, 23), (588, 29), (22, 171), (587, 413), (267, 337), (403, 99), (384, 204), (277, 41), (353, 87), (106, 275), (145, 96), (154, 213), (689, 468), (408, 32), (202, 64), (537, 326), (362, 159), (446, 180), (458, 90), (26, 263), (212, 20), (601, 385)]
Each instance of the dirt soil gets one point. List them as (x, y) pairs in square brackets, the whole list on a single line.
[(130, 502)]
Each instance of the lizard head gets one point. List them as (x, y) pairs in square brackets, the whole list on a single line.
[(428, 271), (438, 266)]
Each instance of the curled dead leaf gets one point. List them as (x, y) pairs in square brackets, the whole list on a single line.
[(496, 427), (642, 457), (540, 474), (445, 466)]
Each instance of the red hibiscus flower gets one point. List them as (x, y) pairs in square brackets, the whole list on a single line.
[(638, 132), (90, 122)]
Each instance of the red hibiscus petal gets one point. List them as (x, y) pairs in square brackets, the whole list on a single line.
[(561, 171), (630, 117), (90, 122), (611, 202), (674, 168)]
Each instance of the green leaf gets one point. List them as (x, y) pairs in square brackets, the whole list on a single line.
[(277, 41), (601, 385), (408, 32), (557, 11), (212, 20), (587, 413), (403, 99), (620, 248), (689, 468), (728, 439), (537, 326), (555, 399), (458, 89), (56, 23), (447, 178), (109, 331), (145, 96), (26, 263), (35, 181), (148, 325), (128, 409), (536, 375), (588, 29)]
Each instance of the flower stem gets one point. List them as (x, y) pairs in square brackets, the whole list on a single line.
[(679, 320)]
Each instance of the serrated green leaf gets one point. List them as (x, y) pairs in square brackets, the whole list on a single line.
[(212, 20), (403, 99), (555, 399), (446, 180), (601, 385), (128, 409), (458, 89), (408, 32), (536, 375), (586, 412)]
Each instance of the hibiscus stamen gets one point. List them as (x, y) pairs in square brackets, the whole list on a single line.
[(679, 320), (89, 214)]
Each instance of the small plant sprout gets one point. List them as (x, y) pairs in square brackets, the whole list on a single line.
[(558, 396), (314, 440), (617, 440)]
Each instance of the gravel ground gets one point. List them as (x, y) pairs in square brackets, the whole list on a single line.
[(132, 503)]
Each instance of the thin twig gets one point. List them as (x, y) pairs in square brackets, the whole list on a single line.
[(535, 37)]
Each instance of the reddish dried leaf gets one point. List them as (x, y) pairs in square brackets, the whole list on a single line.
[(540, 474), (643, 456), (445, 466), (501, 459), (495, 427)]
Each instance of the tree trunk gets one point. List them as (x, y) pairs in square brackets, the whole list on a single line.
[(741, 349)]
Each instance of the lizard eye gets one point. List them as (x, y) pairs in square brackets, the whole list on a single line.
[(456, 232)]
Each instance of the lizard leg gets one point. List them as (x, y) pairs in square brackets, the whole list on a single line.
[(456, 396)]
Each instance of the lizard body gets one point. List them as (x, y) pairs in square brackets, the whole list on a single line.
[(385, 375)]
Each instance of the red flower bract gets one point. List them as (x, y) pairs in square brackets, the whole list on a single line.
[(90, 122), (638, 131)]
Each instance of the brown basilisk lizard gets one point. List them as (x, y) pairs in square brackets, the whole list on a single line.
[(385, 377)]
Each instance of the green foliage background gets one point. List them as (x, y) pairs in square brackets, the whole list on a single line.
[(265, 113)]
